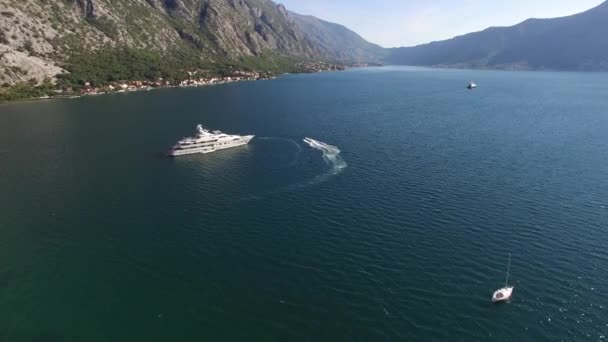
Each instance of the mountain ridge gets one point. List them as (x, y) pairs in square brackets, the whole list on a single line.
[(78, 40), (573, 42), (38, 39)]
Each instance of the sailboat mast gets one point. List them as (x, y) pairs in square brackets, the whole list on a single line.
[(508, 267)]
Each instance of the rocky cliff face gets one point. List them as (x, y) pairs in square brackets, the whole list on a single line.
[(338, 41), (261, 25), (38, 36)]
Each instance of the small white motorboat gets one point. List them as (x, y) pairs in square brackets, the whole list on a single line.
[(318, 144), (471, 86), (505, 293)]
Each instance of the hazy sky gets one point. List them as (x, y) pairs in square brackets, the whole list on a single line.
[(409, 22)]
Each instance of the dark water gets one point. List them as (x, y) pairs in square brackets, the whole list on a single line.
[(103, 239)]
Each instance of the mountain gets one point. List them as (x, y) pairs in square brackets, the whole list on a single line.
[(576, 42), (103, 39), (338, 41)]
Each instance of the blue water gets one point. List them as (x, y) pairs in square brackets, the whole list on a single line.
[(403, 235)]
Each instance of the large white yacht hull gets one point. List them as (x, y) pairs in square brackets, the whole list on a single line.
[(220, 145)]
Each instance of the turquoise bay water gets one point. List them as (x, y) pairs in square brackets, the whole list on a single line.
[(104, 239)]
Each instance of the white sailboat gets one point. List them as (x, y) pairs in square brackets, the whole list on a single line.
[(505, 293)]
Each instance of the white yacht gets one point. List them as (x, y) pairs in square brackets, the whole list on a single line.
[(471, 86), (207, 142)]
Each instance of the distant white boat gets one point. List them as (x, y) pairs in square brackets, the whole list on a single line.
[(505, 293), (472, 85)]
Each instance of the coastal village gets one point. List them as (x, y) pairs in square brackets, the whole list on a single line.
[(143, 85), (191, 79)]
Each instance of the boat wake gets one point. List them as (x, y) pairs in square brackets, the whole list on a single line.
[(331, 156), (297, 146)]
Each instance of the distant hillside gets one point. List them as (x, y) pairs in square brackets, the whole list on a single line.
[(338, 41), (577, 42)]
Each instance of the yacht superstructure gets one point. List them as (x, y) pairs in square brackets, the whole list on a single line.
[(206, 142)]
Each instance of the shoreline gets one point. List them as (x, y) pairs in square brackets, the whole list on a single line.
[(129, 91), (136, 86)]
